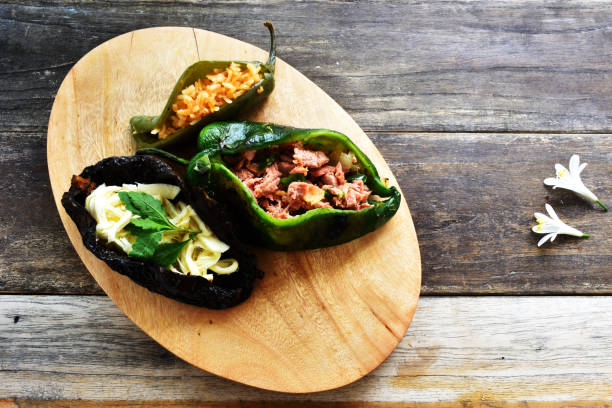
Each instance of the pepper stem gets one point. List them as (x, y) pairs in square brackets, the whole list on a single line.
[(602, 205), (585, 235), (163, 153), (272, 55)]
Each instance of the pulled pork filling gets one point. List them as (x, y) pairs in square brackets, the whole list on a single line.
[(290, 179)]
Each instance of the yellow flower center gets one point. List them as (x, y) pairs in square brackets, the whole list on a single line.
[(562, 173)]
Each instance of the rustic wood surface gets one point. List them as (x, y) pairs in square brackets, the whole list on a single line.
[(471, 103), (403, 65), (460, 350), (41, 260), (480, 186)]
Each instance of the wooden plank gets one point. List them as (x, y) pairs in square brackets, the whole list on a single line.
[(472, 198), (498, 351), (25, 403), (35, 253), (432, 66)]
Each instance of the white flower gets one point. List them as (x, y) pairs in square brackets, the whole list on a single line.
[(552, 226), (570, 180)]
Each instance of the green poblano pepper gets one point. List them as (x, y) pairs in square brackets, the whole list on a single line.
[(317, 228), (142, 126)]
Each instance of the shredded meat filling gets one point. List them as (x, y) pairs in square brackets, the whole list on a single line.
[(290, 179)]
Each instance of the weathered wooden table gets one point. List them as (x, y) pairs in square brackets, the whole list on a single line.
[(471, 103)]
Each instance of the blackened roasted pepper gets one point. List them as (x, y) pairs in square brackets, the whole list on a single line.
[(315, 228), (149, 131), (223, 292)]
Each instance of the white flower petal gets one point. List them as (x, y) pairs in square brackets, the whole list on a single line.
[(574, 164), (548, 228), (543, 240), (586, 193), (560, 170), (571, 180), (567, 230), (552, 213), (539, 215), (551, 182), (553, 226)]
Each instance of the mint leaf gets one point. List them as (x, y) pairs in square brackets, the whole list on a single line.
[(148, 248), (146, 206), (151, 225), (149, 228), (146, 242), (166, 254)]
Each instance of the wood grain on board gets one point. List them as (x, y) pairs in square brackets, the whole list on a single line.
[(471, 195), (319, 319), (498, 351), (402, 65)]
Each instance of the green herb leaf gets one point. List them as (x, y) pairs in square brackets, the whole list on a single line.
[(146, 206), (285, 181), (166, 254), (146, 242), (149, 228), (151, 225)]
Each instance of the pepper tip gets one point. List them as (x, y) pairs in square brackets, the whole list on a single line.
[(272, 54)]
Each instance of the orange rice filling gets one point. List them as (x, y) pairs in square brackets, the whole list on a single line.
[(208, 94)]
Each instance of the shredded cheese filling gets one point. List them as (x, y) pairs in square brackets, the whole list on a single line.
[(201, 254)]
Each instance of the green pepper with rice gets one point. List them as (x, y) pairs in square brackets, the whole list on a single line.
[(206, 92)]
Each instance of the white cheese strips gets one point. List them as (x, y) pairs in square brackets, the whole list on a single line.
[(201, 254)]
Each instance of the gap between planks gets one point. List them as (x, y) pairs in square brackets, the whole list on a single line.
[(24, 403)]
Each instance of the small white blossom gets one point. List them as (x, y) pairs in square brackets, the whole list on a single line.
[(570, 180), (552, 226)]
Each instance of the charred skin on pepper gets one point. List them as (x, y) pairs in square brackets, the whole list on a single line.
[(143, 128), (226, 291)]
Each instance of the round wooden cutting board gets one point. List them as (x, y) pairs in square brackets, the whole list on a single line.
[(318, 319)]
